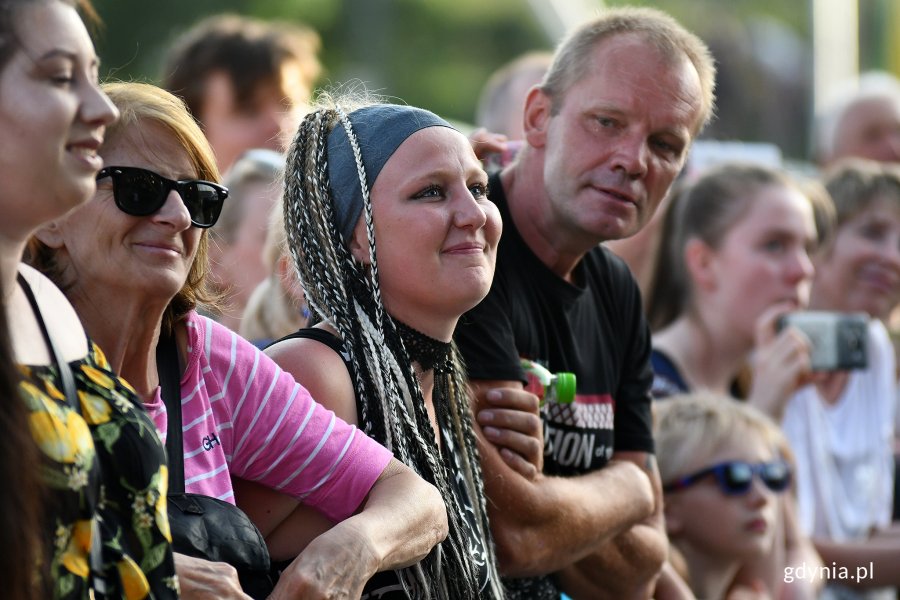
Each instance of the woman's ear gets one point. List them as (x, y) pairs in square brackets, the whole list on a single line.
[(699, 262), (51, 235), (359, 243)]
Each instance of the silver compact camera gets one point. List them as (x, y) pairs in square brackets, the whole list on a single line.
[(838, 340)]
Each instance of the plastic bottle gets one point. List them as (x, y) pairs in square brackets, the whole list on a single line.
[(558, 387)]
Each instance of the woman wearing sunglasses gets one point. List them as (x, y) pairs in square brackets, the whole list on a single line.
[(133, 262), (722, 467)]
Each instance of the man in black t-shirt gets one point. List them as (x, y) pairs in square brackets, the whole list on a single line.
[(606, 133)]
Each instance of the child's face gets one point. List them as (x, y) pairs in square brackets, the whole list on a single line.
[(711, 522)]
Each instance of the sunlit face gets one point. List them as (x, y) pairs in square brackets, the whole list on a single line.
[(268, 120), (860, 269), (712, 523), (436, 232), (52, 115), (126, 256), (237, 266), (619, 139), (870, 129), (761, 261)]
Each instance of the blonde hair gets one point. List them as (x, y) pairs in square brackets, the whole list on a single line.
[(271, 311), (144, 102), (256, 166), (699, 424), (573, 55)]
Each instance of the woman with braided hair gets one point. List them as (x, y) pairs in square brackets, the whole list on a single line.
[(393, 236), (132, 260)]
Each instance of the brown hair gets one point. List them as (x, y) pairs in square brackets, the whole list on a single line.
[(252, 53), (22, 503), (9, 14), (855, 184), (573, 55), (706, 210)]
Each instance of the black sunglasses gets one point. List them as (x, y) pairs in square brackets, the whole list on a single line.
[(736, 477), (139, 192)]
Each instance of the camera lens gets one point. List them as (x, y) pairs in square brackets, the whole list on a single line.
[(852, 344)]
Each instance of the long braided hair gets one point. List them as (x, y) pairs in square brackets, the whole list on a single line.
[(390, 400)]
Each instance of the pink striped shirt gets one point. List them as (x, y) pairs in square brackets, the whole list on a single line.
[(243, 416)]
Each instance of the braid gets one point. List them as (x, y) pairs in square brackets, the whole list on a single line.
[(389, 398)]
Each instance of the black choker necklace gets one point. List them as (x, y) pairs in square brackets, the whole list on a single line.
[(427, 351)]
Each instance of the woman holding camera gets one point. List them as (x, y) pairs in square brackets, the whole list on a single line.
[(733, 259), (841, 427)]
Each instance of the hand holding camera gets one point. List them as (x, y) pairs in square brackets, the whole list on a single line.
[(794, 348), (837, 340)]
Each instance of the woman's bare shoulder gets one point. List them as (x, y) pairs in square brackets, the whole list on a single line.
[(317, 367), (58, 314)]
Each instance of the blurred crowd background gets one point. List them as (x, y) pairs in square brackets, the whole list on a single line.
[(777, 59)]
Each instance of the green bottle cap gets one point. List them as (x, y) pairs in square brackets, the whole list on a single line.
[(565, 387)]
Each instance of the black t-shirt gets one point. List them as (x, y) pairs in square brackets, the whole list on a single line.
[(386, 585), (594, 328)]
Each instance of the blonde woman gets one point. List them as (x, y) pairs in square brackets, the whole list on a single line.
[(277, 307)]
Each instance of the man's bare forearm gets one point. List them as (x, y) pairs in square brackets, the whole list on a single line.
[(545, 525), (629, 565), (626, 567)]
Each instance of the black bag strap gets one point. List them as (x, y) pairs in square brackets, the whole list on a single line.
[(170, 390), (68, 385), (65, 372)]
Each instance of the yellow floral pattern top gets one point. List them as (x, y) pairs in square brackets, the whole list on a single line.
[(114, 436)]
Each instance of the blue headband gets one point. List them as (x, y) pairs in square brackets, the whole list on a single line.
[(379, 130)]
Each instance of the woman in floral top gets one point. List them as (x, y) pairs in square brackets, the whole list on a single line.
[(112, 435), (103, 523)]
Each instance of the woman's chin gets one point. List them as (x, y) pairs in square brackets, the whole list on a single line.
[(159, 289)]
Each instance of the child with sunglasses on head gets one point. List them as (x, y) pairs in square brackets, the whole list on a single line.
[(724, 466)]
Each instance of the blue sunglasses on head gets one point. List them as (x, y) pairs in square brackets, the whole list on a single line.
[(736, 477), (140, 192)]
